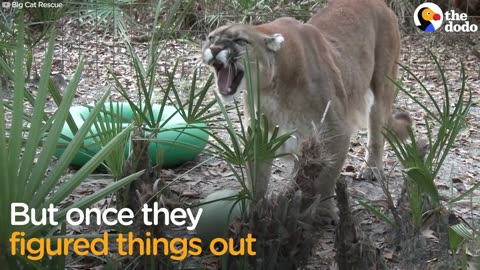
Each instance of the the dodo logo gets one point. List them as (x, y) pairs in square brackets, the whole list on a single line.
[(428, 17)]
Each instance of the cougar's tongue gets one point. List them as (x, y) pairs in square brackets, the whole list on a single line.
[(224, 79)]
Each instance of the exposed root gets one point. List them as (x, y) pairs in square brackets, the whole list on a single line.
[(355, 250), (312, 160), (414, 243), (287, 226), (147, 189)]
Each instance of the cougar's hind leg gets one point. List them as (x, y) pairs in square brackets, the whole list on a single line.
[(379, 118)]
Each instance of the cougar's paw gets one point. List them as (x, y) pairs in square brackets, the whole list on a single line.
[(327, 217), (367, 173), (327, 213)]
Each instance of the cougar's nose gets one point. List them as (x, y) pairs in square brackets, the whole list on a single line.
[(215, 50)]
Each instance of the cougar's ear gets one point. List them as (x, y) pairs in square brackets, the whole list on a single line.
[(274, 42)]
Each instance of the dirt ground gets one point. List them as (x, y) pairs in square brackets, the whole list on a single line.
[(460, 172)]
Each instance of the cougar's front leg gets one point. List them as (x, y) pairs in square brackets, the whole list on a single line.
[(335, 152), (259, 177)]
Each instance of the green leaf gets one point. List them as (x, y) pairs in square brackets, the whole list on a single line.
[(454, 240), (88, 168), (37, 182), (16, 132), (465, 194), (425, 182), (89, 200), (34, 135), (463, 230), (378, 213)]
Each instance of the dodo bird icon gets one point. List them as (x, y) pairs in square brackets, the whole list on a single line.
[(426, 16)]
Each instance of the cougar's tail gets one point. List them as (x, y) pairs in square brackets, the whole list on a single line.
[(399, 123)]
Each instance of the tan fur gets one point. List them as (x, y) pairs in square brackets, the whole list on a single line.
[(344, 50)]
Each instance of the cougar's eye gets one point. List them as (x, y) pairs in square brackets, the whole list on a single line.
[(241, 41), (210, 38)]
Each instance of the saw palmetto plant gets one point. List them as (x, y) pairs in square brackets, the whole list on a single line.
[(27, 145), (420, 207)]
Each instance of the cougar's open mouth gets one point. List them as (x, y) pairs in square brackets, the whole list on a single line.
[(229, 77)]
